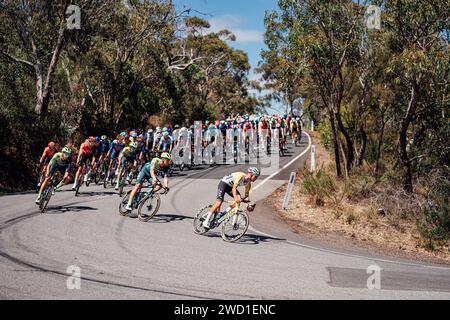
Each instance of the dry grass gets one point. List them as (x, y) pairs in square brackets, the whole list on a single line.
[(353, 211)]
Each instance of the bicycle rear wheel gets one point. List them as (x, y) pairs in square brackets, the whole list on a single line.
[(148, 207), (199, 218), (235, 226)]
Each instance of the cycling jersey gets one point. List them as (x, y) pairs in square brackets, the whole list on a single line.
[(145, 172), (127, 152), (49, 152), (57, 163), (58, 160), (166, 143), (237, 179), (86, 149)]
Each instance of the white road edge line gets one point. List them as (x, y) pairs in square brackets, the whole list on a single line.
[(323, 249)]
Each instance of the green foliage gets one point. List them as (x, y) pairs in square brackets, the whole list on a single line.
[(320, 186), (434, 225), (326, 135)]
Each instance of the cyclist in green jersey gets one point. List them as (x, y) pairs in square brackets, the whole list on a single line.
[(60, 162), (149, 172), (127, 155)]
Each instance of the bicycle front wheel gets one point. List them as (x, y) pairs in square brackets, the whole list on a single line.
[(46, 198), (235, 226), (123, 204), (148, 207)]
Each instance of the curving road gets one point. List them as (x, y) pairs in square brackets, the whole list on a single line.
[(123, 258)]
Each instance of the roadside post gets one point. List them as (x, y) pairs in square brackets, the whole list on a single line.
[(312, 125), (313, 158), (287, 197)]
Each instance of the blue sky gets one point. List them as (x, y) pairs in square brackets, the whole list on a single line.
[(245, 18)]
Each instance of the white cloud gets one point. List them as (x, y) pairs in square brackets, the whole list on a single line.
[(234, 23)]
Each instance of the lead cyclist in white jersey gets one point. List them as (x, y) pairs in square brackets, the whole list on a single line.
[(229, 185)]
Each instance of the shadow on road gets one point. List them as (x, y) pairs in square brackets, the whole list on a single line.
[(64, 209), (92, 194), (247, 238), (166, 218)]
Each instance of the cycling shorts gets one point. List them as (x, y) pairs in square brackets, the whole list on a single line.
[(84, 157), (125, 160), (223, 188)]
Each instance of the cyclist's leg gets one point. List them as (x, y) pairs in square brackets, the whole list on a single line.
[(121, 165), (222, 188), (143, 175)]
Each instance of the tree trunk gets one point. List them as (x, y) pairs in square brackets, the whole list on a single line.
[(362, 149), (380, 144), (337, 157), (349, 143), (403, 140)]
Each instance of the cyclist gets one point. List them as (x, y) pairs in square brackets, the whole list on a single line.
[(86, 153), (127, 155), (149, 172), (165, 143), (102, 149), (294, 128), (229, 185), (61, 162), (47, 155)]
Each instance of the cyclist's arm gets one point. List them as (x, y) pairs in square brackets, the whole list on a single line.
[(166, 182), (236, 196), (43, 155), (153, 174), (247, 191), (80, 153)]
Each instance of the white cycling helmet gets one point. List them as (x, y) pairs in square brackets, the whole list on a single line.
[(254, 171)]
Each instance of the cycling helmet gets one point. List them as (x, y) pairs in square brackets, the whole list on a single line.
[(103, 137), (166, 156), (165, 129), (123, 134), (97, 139), (133, 145), (254, 170), (158, 129), (67, 151), (133, 134), (165, 134), (177, 126), (51, 144), (150, 131)]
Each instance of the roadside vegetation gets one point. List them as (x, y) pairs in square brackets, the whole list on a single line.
[(380, 103)]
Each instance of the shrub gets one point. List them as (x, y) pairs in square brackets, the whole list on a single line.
[(434, 225), (319, 186)]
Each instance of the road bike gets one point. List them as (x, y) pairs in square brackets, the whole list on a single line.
[(147, 202), (48, 192), (234, 223)]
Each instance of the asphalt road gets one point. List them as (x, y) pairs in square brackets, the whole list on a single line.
[(123, 258)]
